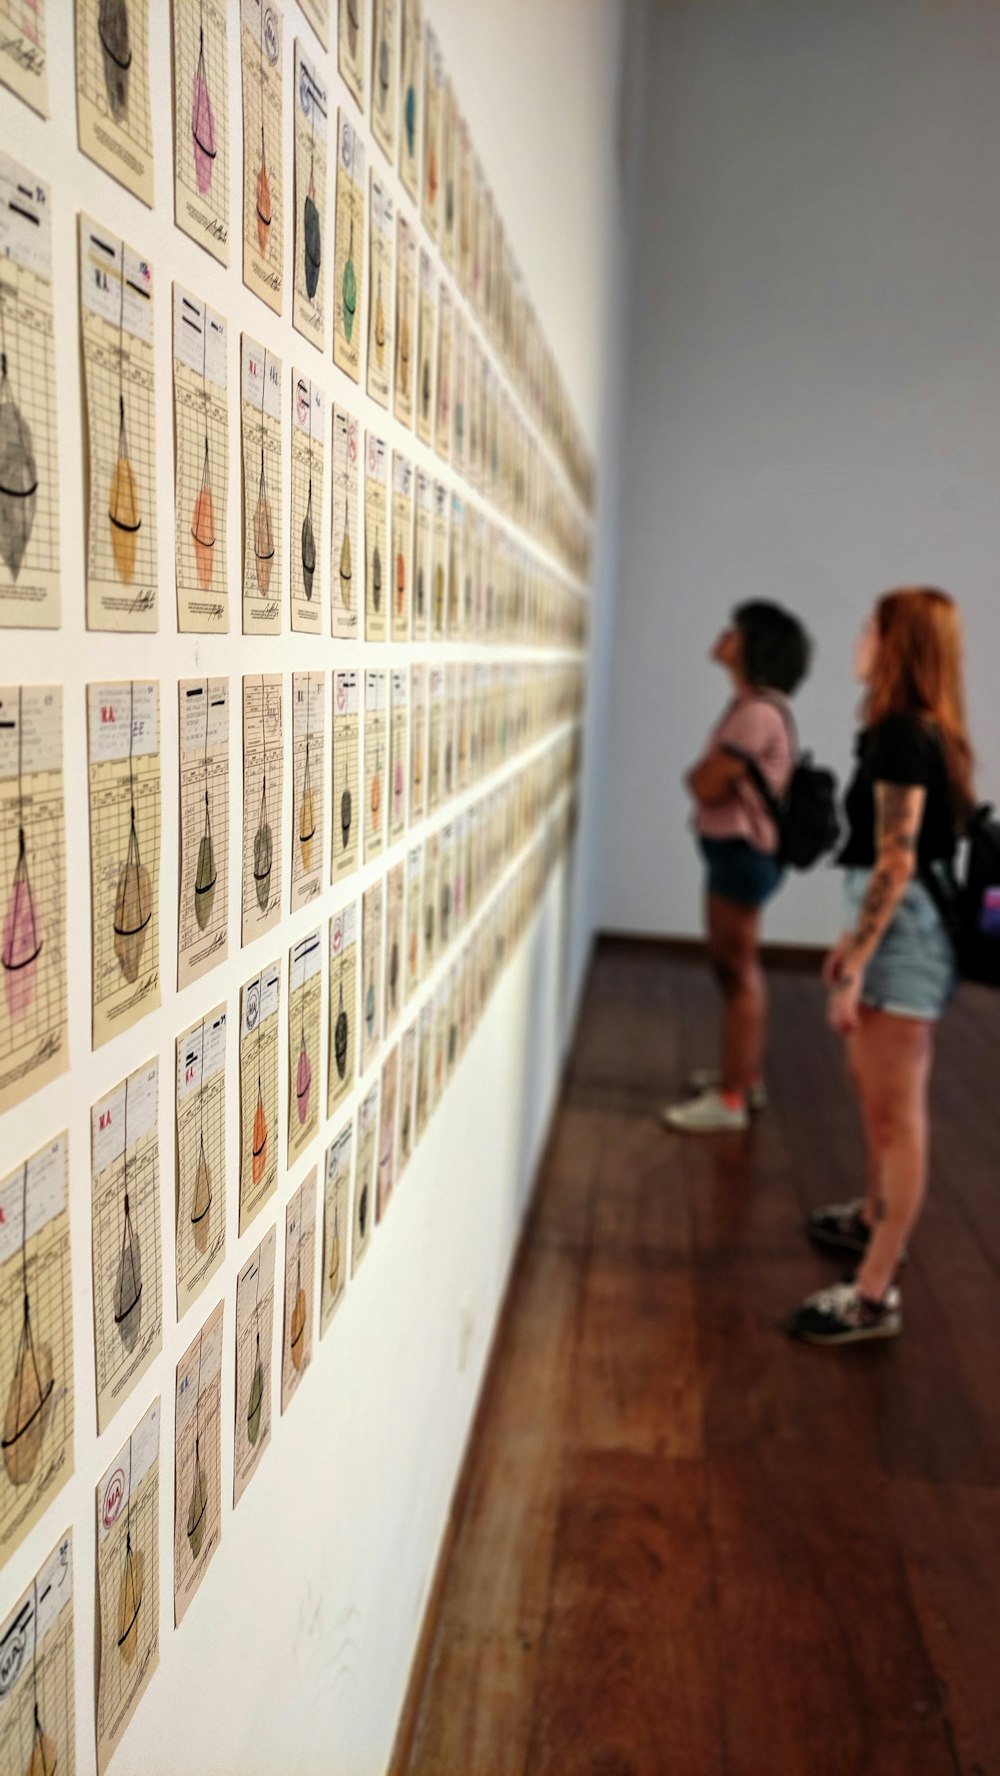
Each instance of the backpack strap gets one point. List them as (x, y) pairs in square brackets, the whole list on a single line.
[(782, 706), (774, 807)]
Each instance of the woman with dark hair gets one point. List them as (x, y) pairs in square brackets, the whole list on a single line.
[(766, 653), (892, 973)]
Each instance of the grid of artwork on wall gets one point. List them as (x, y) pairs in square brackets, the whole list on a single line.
[(374, 826)]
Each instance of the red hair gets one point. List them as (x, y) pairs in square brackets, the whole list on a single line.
[(918, 671)]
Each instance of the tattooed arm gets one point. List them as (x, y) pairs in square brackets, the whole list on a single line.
[(899, 813)]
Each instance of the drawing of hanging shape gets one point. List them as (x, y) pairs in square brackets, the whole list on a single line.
[(311, 105), (263, 535), (300, 1250), (263, 200), (29, 549), (36, 1354), (263, 849), (255, 1398), (133, 904), (312, 243), (409, 63), (262, 192), (201, 433), (341, 1031), (116, 301), (124, 516), (261, 34), (262, 744), (384, 82), (43, 1749), (260, 1134), (128, 1312), (18, 476), (303, 1080), (130, 1601), (308, 428), (116, 53), (200, 1088), (203, 524), (127, 1507), (197, 1510), (112, 87), (349, 286), (254, 1320), (206, 874), (123, 737), (349, 246), (29, 1398), (261, 395), (343, 998), (203, 143), (22, 938), (345, 567), (336, 1217), (307, 817), (128, 1286), (197, 1453), (333, 1268), (298, 1325), (305, 965), (382, 231), (404, 358), (308, 543), (201, 1204), (198, 1506), (202, 148)]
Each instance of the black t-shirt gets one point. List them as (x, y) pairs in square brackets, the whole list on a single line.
[(903, 749)]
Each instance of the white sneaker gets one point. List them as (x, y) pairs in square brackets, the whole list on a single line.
[(707, 1115), (840, 1316), (705, 1079)]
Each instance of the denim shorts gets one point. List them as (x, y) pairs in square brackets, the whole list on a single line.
[(737, 871), (912, 973)]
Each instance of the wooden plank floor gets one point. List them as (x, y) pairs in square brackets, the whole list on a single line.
[(686, 1546)]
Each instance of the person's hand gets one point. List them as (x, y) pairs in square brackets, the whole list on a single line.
[(842, 1004), (833, 964)]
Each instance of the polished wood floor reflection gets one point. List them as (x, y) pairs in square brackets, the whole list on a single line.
[(683, 1545)]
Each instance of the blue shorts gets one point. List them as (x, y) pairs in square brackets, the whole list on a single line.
[(737, 871), (912, 973)]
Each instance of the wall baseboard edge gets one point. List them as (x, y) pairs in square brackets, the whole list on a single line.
[(406, 1728), (799, 958)]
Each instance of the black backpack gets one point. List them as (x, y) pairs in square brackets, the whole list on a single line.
[(806, 816), (970, 906)]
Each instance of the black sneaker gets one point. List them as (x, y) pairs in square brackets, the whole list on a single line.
[(840, 1225), (842, 1315)]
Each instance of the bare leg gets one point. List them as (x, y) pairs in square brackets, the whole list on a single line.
[(873, 1161), (734, 947), (893, 1057)]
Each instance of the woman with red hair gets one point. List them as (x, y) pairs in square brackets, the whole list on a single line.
[(892, 973)]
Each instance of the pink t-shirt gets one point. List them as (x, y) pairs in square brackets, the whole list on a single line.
[(756, 725)]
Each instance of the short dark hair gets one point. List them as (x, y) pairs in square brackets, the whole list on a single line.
[(776, 648)]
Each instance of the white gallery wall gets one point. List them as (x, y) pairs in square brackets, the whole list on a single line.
[(813, 385), (296, 1650)]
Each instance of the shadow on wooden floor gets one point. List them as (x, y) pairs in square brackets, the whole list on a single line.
[(685, 1546)]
